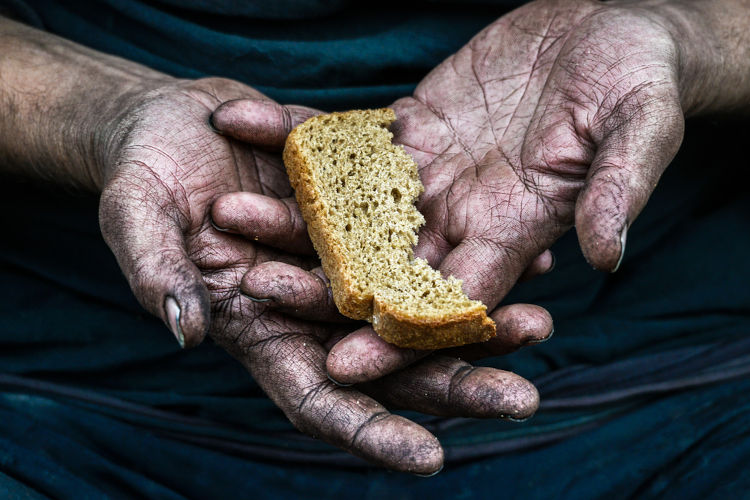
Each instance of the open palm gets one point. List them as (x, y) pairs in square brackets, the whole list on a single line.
[(558, 113)]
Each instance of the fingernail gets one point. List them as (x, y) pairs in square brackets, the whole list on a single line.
[(623, 239), (514, 419), (430, 474), (212, 126), (255, 299), (172, 310), (340, 384), (543, 339), (554, 262)]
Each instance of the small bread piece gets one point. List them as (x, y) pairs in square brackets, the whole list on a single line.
[(356, 191)]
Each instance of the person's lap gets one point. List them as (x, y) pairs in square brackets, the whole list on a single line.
[(690, 444)]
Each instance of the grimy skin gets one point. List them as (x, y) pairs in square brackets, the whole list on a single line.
[(76, 117), (560, 113)]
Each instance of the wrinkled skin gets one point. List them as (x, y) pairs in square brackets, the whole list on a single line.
[(307, 294), (559, 113), (168, 172)]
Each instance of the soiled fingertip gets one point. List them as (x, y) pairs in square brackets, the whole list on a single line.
[(525, 401), (602, 249), (522, 324), (292, 291), (485, 392), (186, 315), (168, 284), (489, 393), (399, 444), (342, 369), (544, 263), (253, 215), (601, 220)]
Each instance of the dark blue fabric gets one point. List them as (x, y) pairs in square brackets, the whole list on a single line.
[(349, 54), (644, 385)]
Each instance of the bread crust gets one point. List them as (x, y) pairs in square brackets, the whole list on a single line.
[(417, 333), (350, 301), (388, 321)]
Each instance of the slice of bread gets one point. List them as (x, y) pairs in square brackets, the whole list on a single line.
[(356, 191)]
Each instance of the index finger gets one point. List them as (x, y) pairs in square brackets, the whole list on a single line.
[(363, 356), (260, 122), (287, 360)]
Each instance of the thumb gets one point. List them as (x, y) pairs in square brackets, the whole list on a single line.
[(633, 150), (150, 248), (496, 229), (487, 267), (260, 122)]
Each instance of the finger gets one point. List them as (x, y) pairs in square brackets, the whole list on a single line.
[(150, 248), (260, 122), (445, 386), (498, 229), (635, 146), (518, 325), (611, 138), (433, 247), (293, 291), (543, 264), (290, 367), (270, 221), (363, 355), (488, 268)]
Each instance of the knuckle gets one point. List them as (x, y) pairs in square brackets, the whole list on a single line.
[(361, 431), (287, 121), (317, 409), (456, 390)]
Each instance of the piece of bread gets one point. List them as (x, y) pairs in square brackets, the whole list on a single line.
[(356, 191)]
